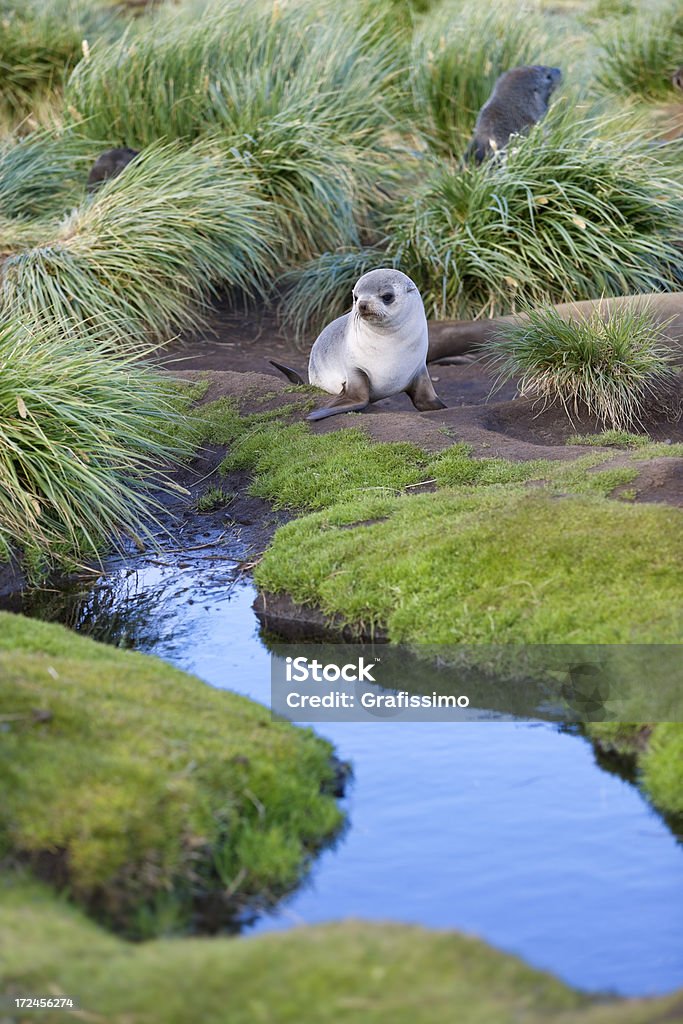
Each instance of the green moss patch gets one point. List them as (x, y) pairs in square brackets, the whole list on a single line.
[(154, 799), (492, 565), (610, 438), (643, 446), (354, 971), (495, 552), (297, 469)]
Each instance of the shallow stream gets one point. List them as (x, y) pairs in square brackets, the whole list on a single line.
[(506, 830)]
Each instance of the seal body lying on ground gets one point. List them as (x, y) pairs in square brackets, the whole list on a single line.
[(108, 165), (519, 99), (377, 350)]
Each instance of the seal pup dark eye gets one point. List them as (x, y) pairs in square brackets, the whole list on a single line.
[(387, 298)]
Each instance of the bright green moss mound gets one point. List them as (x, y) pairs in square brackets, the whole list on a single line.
[(356, 972), (496, 551), (657, 751), (296, 468), (488, 565), (158, 801)]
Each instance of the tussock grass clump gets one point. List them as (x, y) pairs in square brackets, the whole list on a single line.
[(232, 68), (42, 172), (302, 103), (40, 41), (577, 210), (147, 250), (457, 57), (77, 444), (37, 46), (612, 366), (599, 10), (642, 54)]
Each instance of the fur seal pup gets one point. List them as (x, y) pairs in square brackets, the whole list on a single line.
[(108, 165), (519, 99), (677, 79), (377, 350)]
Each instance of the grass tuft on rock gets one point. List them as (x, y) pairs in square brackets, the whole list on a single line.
[(612, 365), (156, 801)]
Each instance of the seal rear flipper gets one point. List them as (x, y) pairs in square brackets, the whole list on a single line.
[(422, 394), (354, 397), (289, 373)]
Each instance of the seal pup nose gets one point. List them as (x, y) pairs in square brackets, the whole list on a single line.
[(363, 306)]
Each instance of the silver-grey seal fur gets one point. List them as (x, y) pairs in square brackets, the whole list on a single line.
[(519, 99), (109, 165), (376, 350)]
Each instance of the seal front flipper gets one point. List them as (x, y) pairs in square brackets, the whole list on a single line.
[(354, 397), (422, 394), (289, 373)]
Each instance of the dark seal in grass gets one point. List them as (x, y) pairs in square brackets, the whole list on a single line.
[(519, 99), (377, 350), (109, 165)]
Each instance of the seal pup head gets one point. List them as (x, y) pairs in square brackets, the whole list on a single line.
[(543, 81), (382, 298)]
